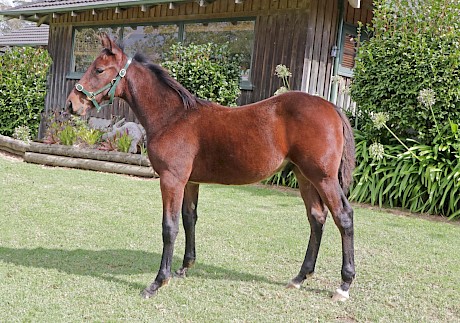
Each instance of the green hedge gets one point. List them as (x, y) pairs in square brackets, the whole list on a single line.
[(407, 87), (411, 50), (208, 71), (22, 88)]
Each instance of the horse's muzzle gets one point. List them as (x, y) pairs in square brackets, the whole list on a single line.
[(69, 107)]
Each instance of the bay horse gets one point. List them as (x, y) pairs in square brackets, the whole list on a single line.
[(192, 141)]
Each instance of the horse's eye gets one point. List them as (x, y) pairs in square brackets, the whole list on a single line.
[(99, 70)]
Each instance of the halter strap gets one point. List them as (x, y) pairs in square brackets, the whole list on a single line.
[(112, 86)]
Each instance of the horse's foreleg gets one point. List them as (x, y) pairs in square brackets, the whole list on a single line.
[(172, 192), (189, 218), (317, 213)]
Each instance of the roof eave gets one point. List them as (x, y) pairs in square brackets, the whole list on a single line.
[(12, 13), (30, 14), (23, 45), (122, 4)]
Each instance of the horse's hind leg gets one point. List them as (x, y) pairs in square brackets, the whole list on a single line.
[(316, 212), (189, 218), (332, 194)]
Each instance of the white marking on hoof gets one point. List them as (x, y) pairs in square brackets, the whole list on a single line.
[(291, 285), (340, 295)]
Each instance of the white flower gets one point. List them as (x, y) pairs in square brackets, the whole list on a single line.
[(282, 71), (376, 151), (281, 90), (380, 119), (336, 79), (427, 97)]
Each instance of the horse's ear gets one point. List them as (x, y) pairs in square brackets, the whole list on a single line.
[(109, 44), (106, 42)]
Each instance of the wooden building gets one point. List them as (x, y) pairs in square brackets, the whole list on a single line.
[(314, 38)]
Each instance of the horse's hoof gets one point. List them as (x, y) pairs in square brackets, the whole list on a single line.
[(181, 273), (292, 284), (340, 295), (147, 293)]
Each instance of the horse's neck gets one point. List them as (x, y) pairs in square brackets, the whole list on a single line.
[(154, 104)]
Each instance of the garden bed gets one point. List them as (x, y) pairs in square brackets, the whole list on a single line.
[(74, 157)]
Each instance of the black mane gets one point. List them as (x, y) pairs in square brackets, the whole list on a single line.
[(188, 99)]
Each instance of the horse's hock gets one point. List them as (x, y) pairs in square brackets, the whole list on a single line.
[(72, 157)]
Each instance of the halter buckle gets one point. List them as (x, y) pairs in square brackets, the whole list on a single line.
[(79, 87)]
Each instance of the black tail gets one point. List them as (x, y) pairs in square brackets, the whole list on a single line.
[(347, 164)]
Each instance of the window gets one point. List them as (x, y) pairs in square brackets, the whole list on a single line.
[(155, 40), (152, 41), (348, 50), (87, 46), (238, 34)]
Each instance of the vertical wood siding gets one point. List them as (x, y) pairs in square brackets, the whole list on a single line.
[(320, 37), (60, 49), (364, 14), (296, 33), (279, 39)]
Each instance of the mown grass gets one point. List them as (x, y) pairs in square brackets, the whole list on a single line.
[(78, 245)]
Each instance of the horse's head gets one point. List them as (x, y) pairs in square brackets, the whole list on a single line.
[(100, 81)]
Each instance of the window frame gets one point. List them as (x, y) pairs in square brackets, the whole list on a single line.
[(347, 29), (350, 29), (244, 84)]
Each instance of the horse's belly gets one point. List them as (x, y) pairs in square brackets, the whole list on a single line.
[(229, 171)]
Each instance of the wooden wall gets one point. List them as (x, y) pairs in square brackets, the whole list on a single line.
[(297, 33), (364, 14), (321, 36)]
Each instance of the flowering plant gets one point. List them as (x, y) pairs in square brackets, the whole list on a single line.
[(284, 74)]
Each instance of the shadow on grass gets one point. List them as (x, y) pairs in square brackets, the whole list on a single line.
[(107, 264), (258, 189)]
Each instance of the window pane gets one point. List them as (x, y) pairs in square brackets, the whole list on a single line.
[(87, 46), (152, 41), (238, 34)]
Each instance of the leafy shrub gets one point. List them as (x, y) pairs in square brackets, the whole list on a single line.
[(70, 130), (22, 133), (22, 88), (407, 87), (123, 142), (85, 135), (283, 178), (89, 136), (413, 48), (429, 183), (67, 136), (208, 71)]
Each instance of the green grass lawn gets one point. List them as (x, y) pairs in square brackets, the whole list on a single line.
[(79, 245)]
